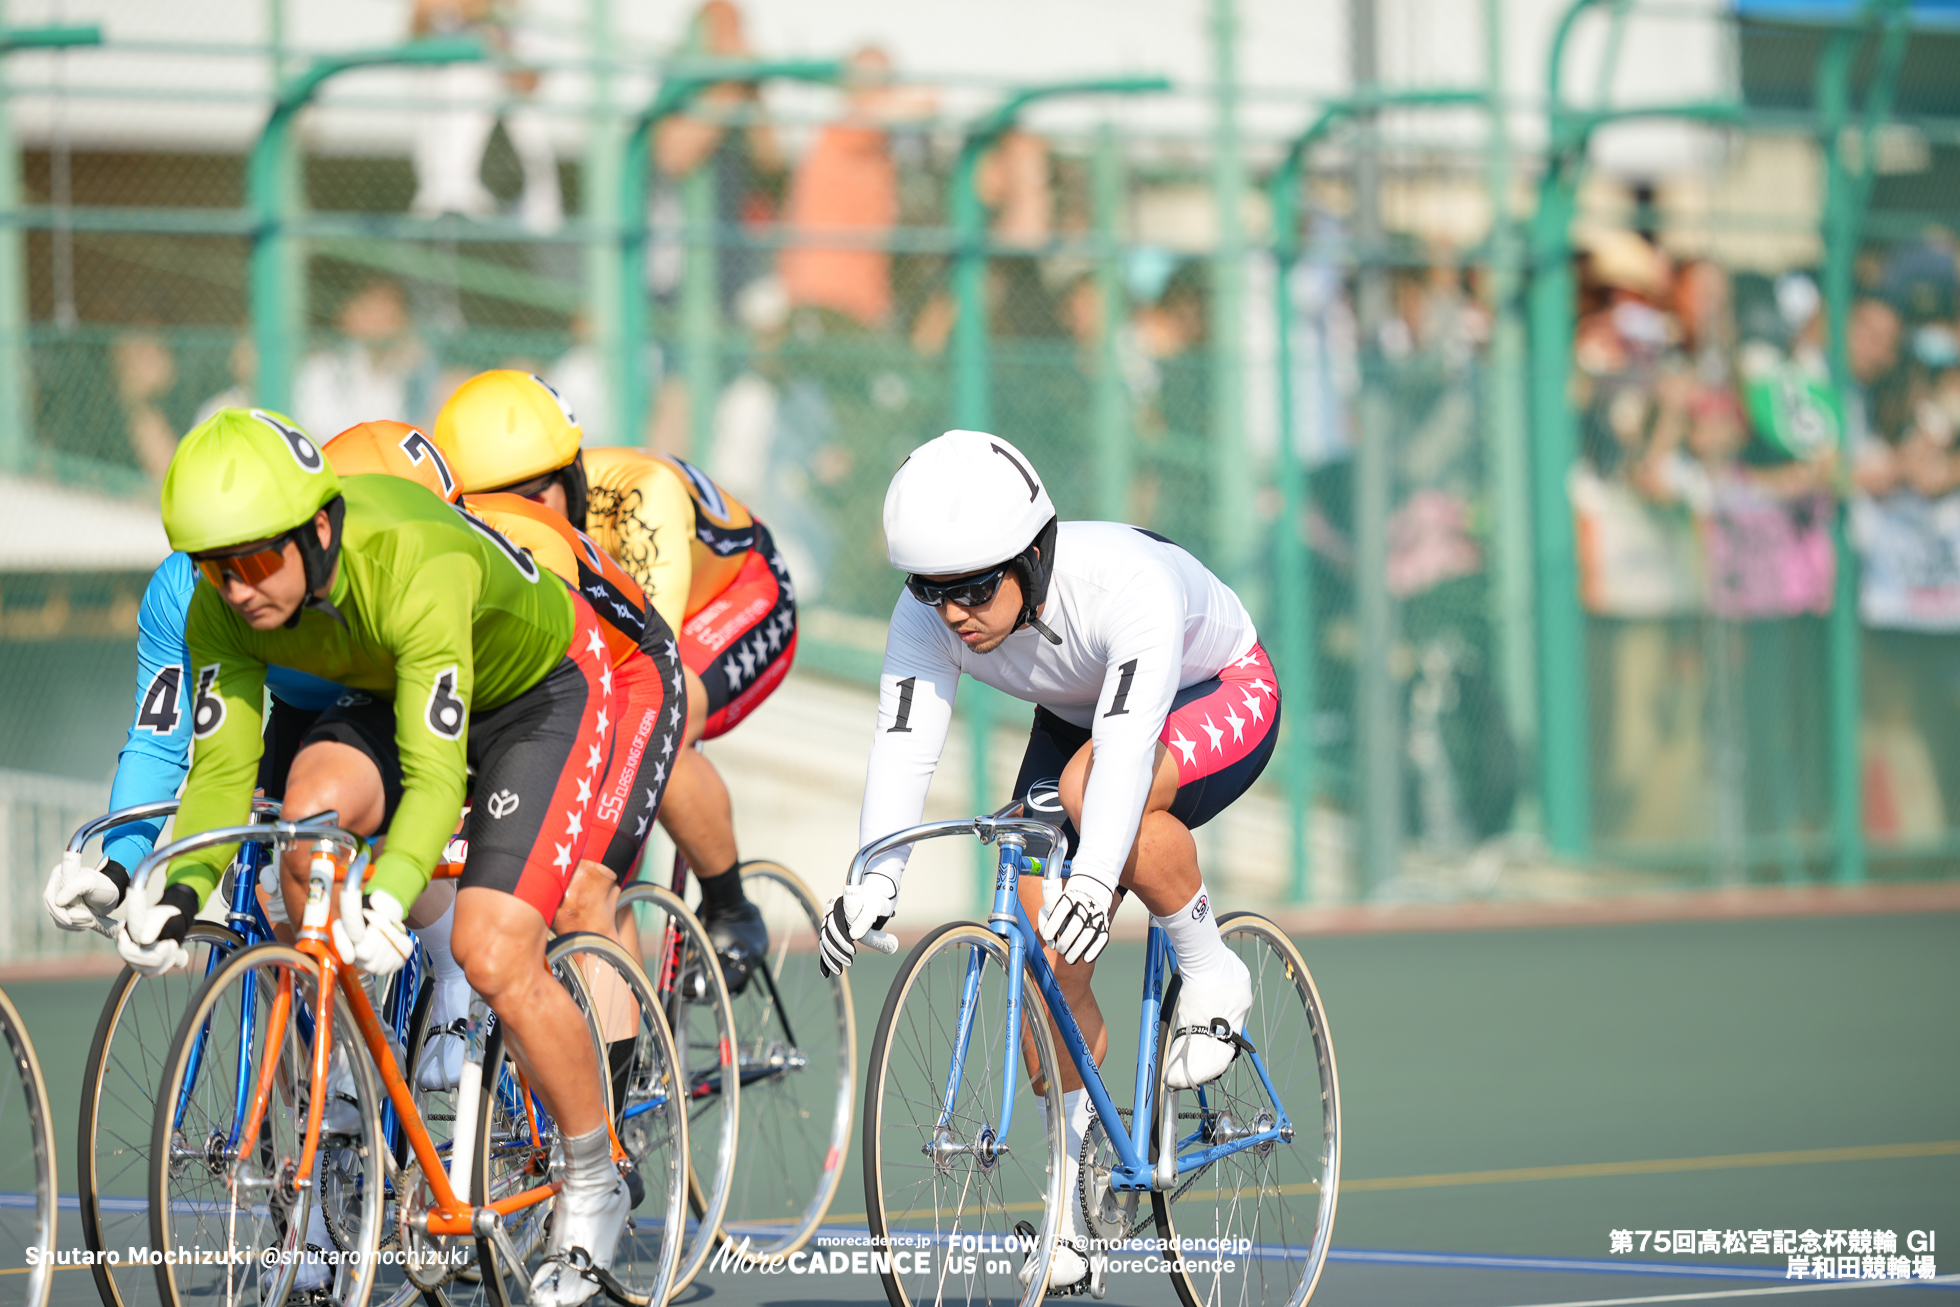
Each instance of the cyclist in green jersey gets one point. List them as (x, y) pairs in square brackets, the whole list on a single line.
[(486, 662)]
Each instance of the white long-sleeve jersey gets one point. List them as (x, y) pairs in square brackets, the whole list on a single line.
[(1139, 618)]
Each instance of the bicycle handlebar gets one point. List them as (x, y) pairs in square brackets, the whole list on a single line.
[(1001, 825), (145, 811), (318, 827)]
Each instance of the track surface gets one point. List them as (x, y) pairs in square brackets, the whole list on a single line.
[(1512, 1096)]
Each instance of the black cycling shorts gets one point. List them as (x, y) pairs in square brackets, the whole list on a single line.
[(366, 722)]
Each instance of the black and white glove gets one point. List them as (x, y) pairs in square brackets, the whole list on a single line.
[(1077, 927), (76, 895), (848, 918), (152, 939), (375, 942)]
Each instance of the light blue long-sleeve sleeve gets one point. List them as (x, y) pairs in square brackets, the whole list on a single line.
[(156, 756)]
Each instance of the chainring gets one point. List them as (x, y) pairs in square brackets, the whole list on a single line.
[(426, 1258), (1110, 1217)]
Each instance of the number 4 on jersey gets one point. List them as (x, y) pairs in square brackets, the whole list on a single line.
[(159, 713)]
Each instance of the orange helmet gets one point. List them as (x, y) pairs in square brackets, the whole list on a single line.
[(562, 548), (396, 449)]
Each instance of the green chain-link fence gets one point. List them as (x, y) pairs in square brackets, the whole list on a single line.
[(1537, 459)]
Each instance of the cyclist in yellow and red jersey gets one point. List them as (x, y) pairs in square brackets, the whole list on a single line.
[(707, 567)]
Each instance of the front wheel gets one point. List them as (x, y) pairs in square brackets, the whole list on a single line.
[(236, 1195), (26, 1165), (119, 1092), (1264, 1215), (946, 1179)]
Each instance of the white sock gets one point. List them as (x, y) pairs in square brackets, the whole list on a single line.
[(589, 1161), (1193, 930), (443, 966)]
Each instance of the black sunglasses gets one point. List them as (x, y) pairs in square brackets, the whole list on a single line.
[(974, 591)]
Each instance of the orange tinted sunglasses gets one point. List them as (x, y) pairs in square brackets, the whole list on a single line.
[(251, 568)]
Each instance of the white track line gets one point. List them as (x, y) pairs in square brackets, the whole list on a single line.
[(1949, 1280)]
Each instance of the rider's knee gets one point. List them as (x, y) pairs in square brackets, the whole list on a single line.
[(588, 900), (495, 963), (697, 708)]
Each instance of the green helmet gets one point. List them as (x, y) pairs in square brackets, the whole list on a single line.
[(243, 474)]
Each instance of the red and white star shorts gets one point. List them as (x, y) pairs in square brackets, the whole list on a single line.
[(742, 641), (540, 763), (650, 712), (1220, 732)]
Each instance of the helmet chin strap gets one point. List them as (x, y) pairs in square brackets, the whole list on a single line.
[(318, 561), (1033, 575)]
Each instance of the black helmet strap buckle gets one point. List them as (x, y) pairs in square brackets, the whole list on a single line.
[(1033, 567)]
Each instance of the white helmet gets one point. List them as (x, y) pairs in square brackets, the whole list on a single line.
[(969, 501), (963, 502)]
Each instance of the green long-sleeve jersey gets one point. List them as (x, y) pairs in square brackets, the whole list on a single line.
[(439, 613)]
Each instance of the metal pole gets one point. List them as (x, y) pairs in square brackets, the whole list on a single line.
[(1292, 568), (1293, 573), (1377, 724), (16, 384), (268, 192), (972, 362), (1234, 524), (1506, 441), (1846, 195), (678, 91), (1112, 400), (605, 285)]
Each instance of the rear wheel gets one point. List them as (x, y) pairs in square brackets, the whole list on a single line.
[(26, 1166), (797, 1054), (517, 1139), (1270, 1206), (677, 957)]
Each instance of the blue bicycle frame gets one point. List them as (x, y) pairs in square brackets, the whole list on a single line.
[(1009, 921)]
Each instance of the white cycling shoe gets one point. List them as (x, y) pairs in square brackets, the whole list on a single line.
[(1066, 1269), (1199, 1059), (441, 1063), (585, 1230)]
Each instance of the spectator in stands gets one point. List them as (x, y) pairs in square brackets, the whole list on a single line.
[(450, 141), (843, 199), (146, 373), (745, 158), (377, 367)]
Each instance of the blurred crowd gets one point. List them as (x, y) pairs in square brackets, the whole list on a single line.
[(1710, 475)]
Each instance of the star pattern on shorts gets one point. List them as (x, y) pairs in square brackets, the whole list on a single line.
[(564, 858), (640, 829), (675, 716), (600, 723), (1260, 685), (667, 745), (1251, 658), (573, 826), (584, 791), (1216, 733), (1189, 748), (605, 681), (1253, 706), (1237, 723), (659, 777), (748, 657), (594, 643), (680, 677), (593, 759)]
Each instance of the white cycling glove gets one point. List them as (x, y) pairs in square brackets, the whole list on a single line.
[(152, 938), (1078, 925), (860, 909), (75, 893), (376, 942)]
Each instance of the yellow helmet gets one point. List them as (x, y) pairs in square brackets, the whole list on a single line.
[(504, 427)]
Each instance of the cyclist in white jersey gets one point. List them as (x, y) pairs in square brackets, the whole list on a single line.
[(1155, 708)]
